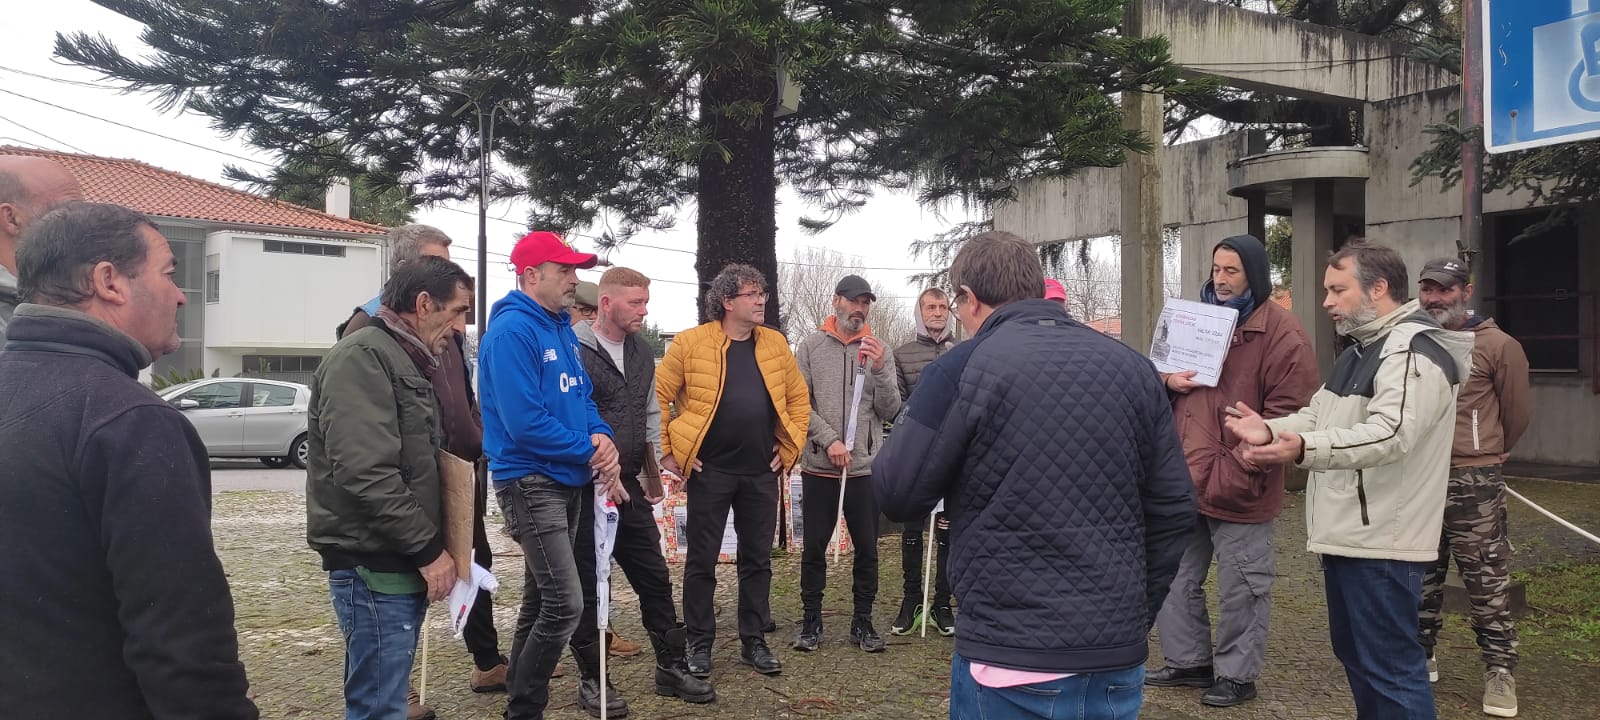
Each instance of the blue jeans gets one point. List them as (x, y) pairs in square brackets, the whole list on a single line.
[(542, 515), (380, 642), (1372, 621), (1114, 695)]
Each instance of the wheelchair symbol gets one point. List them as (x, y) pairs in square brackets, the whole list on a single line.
[(1587, 67)]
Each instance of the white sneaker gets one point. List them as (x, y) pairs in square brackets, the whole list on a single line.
[(1499, 693), (1433, 670)]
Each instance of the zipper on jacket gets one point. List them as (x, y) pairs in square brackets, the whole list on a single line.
[(1361, 494), (722, 379), (1475, 443)]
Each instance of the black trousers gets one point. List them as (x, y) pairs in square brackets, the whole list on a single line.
[(754, 502), (819, 508), (912, 536), (638, 552), (479, 634)]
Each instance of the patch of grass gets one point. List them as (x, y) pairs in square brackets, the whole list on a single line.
[(1564, 603)]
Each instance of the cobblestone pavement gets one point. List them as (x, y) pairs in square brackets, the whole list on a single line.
[(294, 655)]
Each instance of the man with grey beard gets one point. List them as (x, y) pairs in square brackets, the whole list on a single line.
[(1377, 440), (828, 359), (1491, 414)]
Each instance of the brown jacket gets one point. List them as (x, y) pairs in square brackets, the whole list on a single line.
[(1270, 367), (458, 407), (1492, 409)]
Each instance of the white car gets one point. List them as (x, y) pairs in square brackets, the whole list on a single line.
[(247, 417)]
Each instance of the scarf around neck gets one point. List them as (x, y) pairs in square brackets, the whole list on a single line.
[(420, 353)]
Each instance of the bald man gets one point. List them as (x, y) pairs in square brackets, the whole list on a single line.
[(29, 188)]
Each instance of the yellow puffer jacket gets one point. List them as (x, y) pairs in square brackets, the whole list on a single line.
[(691, 377)]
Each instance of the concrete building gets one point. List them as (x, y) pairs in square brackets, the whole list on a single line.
[(267, 281), (1543, 291)]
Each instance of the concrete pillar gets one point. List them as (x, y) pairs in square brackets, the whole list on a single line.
[(1256, 215), (1141, 206), (1313, 240)]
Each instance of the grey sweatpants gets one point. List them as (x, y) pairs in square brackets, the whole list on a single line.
[(1245, 571)]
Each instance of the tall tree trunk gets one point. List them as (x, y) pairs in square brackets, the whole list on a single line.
[(738, 192)]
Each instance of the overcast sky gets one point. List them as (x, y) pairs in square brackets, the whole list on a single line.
[(879, 234)]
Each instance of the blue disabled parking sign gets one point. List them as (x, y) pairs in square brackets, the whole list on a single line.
[(1541, 62)]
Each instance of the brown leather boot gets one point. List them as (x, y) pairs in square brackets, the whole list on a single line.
[(415, 710), (619, 646), (488, 681)]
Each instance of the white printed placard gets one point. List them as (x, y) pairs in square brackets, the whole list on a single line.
[(1193, 336)]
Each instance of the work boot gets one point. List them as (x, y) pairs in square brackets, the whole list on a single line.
[(810, 633), (1499, 693), (1433, 670), (672, 670), (619, 646), (1228, 693), (944, 619), (863, 634), (756, 654), (906, 622), (1200, 677), (491, 680), (699, 660), (415, 710), (588, 657)]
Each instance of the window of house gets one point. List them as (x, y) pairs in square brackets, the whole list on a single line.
[(1537, 299), (213, 278), (297, 248), (259, 364)]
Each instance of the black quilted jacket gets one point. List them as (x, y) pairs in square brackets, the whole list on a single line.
[(1069, 498)]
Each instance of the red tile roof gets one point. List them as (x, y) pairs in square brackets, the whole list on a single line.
[(154, 191)]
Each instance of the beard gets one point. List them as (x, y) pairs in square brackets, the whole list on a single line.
[(1451, 316), (847, 323), (1363, 315)]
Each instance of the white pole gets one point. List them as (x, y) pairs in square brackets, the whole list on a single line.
[(1585, 533), (927, 575), (422, 686), (604, 651), (839, 516)]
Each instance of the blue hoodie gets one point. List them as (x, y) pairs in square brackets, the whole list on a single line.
[(537, 413)]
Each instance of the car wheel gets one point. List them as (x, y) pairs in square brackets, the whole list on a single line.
[(300, 452), (275, 462)]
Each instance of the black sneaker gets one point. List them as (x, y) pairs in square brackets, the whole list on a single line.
[(1228, 693), (810, 634), (906, 621), (945, 619), (863, 634), (1200, 677), (756, 654), (699, 661)]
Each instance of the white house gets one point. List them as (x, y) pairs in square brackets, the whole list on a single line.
[(267, 281)]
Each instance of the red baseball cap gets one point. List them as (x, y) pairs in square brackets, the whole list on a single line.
[(542, 246), (1053, 290)]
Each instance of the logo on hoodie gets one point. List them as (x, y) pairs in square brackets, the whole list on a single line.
[(549, 354)]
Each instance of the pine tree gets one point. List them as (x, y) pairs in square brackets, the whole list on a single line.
[(626, 111)]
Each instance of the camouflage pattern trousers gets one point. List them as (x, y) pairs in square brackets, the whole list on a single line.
[(1475, 536)]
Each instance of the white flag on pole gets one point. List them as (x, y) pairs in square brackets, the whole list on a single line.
[(606, 516)]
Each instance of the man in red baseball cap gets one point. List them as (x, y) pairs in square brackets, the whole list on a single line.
[(545, 441)]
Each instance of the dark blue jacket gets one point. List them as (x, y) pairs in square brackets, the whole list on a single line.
[(1069, 499), (537, 413)]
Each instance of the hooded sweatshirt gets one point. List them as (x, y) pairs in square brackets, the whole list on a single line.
[(1253, 255), (912, 357), (537, 413)]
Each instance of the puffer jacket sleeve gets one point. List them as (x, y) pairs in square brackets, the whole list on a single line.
[(1166, 494), (797, 403), (669, 382), (922, 460), (1410, 394)]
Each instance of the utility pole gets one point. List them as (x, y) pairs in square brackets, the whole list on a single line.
[(1472, 120)]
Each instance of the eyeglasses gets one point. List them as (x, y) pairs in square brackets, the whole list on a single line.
[(587, 312), (760, 295), (959, 299)]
